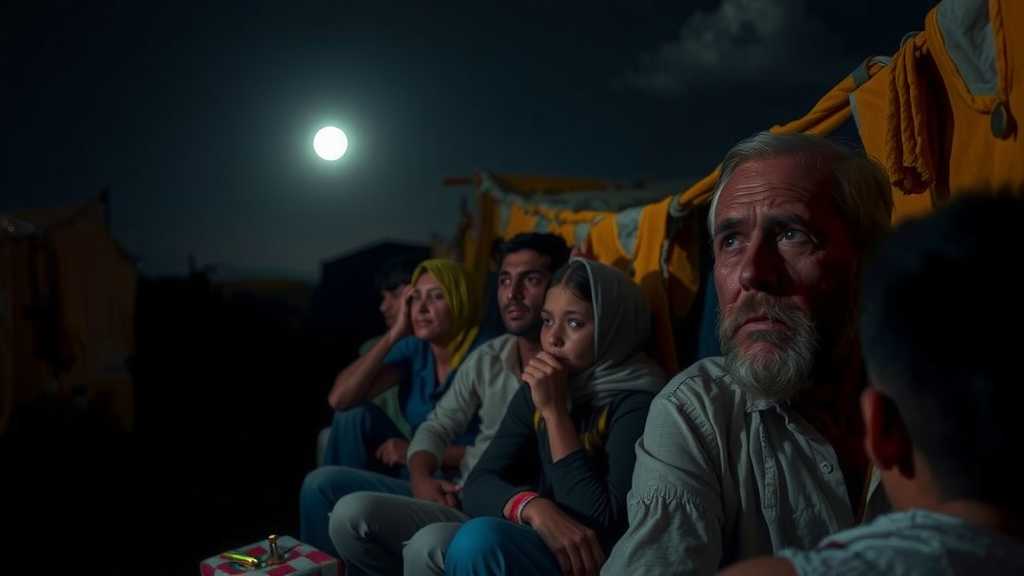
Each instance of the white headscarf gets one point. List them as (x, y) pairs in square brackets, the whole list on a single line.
[(622, 326)]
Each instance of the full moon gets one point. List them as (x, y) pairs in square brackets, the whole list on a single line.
[(330, 143)]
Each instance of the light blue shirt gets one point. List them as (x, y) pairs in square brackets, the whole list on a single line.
[(721, 476), (912, 542)]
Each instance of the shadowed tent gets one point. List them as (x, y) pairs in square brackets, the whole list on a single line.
[(67, 312)]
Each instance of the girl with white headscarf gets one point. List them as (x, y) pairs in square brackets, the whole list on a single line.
[(550, 491)]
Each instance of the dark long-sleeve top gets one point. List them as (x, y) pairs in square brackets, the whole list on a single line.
[(590, 484)]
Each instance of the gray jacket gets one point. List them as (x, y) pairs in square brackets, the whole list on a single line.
[(485, 382)]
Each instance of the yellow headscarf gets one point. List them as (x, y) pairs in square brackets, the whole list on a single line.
[(463, 301)]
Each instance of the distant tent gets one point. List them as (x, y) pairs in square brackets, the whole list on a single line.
[(345, 308), (67, 311)]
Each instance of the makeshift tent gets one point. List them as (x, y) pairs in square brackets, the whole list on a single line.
[(939, 115), (67, 311), (625, 225)]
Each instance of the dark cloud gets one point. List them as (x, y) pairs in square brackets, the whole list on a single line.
[(740, 42)]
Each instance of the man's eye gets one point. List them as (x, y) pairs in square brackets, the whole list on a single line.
[(794, 235), (728, 242)]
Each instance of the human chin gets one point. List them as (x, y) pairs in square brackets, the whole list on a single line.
[(425, 330), (759, 343), (772, 365), (573, 362), (520, 326)]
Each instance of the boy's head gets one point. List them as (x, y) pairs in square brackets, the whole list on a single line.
[(941, 322), (390, 279)]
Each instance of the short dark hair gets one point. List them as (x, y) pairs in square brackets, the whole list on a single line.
[(550, 245), (395, 272), (576, 278), (937, 303)]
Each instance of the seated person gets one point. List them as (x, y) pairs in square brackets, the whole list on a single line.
[(550, 490), (940, 414), (422, 350), (763, 448), (373, 532), (390, 280)]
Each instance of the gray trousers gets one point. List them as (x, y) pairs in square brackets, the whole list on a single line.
[(387, 534)]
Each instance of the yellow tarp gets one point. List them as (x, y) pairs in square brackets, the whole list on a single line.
[(643, 263), (937, 138)]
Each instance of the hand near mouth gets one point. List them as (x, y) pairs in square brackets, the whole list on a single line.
[(548, 380)]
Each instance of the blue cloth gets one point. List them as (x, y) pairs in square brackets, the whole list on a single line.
[(489, 545), (324, 486), (708, 344), (418, 391), (355, 435), (911, 542), (357, 431)]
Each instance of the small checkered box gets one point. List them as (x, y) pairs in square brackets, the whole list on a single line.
[(300, 560)]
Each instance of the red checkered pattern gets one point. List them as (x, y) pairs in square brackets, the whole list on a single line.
[(300, 560)]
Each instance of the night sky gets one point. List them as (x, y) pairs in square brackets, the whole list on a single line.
[(200, 117)]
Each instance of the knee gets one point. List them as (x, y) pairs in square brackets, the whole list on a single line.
[(314, 485), (350, 518), (477, 541), (424, 552), (353, 507), (326, 485)]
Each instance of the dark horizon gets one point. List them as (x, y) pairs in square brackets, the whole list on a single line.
[(200, 118)]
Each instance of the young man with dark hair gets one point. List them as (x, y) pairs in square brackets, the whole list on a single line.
[(390, 280), (940, 414)]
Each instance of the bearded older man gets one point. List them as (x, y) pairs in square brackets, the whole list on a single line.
[(762, 449)]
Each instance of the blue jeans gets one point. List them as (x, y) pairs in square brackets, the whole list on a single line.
[(350, 466), (355, 435), (322, 489), (497, 546)]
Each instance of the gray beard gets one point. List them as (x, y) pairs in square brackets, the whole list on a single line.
[(785, 370)]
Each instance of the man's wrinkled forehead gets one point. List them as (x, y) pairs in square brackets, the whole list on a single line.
[(774, 183)]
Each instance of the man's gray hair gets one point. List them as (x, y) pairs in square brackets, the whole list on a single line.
[(860, 187)]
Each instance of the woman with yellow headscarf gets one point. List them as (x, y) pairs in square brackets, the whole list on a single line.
[(436, 328)]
